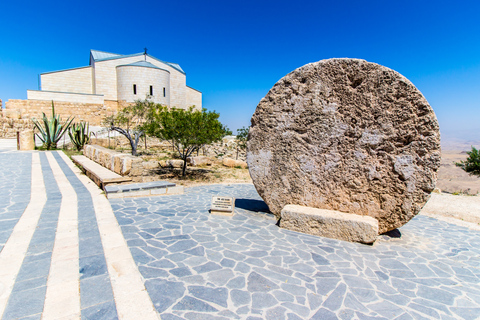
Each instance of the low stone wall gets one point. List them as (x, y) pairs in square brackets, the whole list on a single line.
[(94, 114), (120, 163), (10, 124)]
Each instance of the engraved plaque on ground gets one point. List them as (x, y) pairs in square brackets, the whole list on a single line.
[(222, 206)]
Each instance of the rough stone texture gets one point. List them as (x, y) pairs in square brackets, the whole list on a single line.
[(199, 161), (9, 127), (174, 163), (26, 140), (329, 223), (227, 162), (120, 163), (346, 135)]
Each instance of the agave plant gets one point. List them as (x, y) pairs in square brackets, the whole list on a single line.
[(52, 130), (79, 134)]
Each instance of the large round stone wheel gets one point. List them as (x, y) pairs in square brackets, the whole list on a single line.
[(346, 135)]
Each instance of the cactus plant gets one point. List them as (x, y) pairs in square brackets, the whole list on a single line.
[(79, 134)]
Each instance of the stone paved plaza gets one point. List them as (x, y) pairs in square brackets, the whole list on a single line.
[(197, 266)]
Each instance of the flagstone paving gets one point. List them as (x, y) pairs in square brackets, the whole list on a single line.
[(193, 265), (201, 266)]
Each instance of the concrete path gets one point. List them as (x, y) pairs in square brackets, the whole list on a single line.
[(66, 252)]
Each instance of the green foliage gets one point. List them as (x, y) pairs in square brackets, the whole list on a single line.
[(187, 130), (130, 121), (51, 130), (242, 136), (79, 134), (472, 164)]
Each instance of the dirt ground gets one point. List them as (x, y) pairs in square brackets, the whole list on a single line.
[(197, 176), (452, 179)]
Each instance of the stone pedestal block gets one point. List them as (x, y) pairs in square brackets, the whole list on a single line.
[(329, 223), (26, 140)]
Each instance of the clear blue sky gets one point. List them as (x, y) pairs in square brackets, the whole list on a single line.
[(235, 51)]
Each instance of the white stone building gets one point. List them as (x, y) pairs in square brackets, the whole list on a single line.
[(112, 78)]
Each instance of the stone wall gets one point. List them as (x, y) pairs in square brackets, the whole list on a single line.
[(119, 163), (65, 96), (10, 124), (78, 80), (194, 98), (143, 78), (91, 113)]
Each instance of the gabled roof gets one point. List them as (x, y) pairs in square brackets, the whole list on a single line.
[(102, 56), (142, 64)]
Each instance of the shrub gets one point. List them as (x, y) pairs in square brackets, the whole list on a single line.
[(472, 164)]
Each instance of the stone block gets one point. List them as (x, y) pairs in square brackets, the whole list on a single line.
[(227, 162), (158, 191), (199, 161), (149, 165), (175, 190), (175, 163), (329, 223), (26, 140), (12, 114)]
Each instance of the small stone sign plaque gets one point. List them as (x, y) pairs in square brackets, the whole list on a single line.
[(224, 206)]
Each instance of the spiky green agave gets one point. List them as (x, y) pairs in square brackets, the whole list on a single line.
[(79, 134), (52, 130)]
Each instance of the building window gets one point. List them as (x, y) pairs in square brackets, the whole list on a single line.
[(151, 90), (164, 92), (134, 89)]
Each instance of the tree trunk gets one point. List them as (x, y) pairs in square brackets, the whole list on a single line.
[(184, 166), (134, 147)]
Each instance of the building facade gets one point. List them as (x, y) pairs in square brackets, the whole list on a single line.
[(119, 78)]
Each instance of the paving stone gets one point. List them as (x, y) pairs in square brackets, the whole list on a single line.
[(255, 262), (324, 314), (319, 259), (95, 290), (258, 283), (220, 277), (34, 269), (162, 263), (190, 303), (17, 308), (227, 263), (294, 289), (261, 300), (169, 316), (92, 266), (197, 251), (277, 313), (216, 295), (164, 293), (207, 267), (105, 311), (425, 310), (438, 295), (30, 284), (335, 300)]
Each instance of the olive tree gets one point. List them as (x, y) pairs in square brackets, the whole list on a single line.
[(241, 138), (130, 121), (186, 130)]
